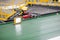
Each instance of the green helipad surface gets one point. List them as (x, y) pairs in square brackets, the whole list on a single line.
[(42, 28)]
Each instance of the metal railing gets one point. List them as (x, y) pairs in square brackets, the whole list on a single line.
[(7, 8)]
